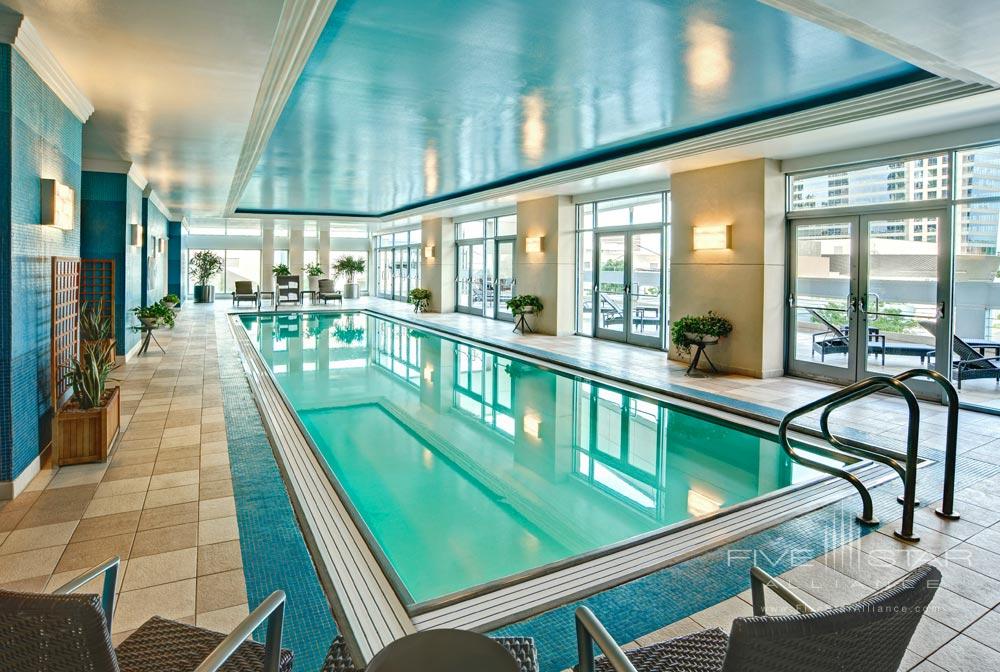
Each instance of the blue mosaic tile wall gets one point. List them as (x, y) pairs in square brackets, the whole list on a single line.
[(46, 141), (110, 203), (6, 454), (175, 255), (154, 262), (274, 552)]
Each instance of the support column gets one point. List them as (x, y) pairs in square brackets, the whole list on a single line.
[(267, 258), (744, 283), (296, 250), (548, 274), (438, 272), (324, 247)]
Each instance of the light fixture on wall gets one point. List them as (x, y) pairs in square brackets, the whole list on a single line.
[(428, 251), (533, 244), (532, 425), (135, 235), (162, 245), (712, 237), (58, 203)]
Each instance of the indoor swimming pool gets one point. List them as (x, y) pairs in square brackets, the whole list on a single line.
[(466, 466)]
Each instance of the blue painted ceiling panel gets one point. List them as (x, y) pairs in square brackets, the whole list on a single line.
[(405, 102)]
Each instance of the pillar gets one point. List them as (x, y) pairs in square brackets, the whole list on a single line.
[(267, 258), (324, 246), (549, 274), (296, 250), (438, 272), (744, 283)]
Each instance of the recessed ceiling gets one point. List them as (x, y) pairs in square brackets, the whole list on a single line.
[(173, 84), (406, 102)]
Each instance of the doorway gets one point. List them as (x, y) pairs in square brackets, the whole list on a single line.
[(485, 277), (628, 287)]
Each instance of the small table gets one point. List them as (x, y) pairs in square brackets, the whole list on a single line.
[(147, 336), (443, 651), (521, 322), (302, 296), (701, 345)]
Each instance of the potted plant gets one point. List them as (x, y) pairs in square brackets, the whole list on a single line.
[(694, 329), (524, 304), (87, 425), (95, 324), (154, 315), (281, 270), (171, 301), (204, 266), (420, 298), (349, 266), (314, 272)]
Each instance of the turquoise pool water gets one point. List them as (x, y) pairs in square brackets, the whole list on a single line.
[(468, 467)]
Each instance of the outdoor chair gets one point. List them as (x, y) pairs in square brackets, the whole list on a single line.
[(326, 292), (245, 292), (971, 365), (867, 636), (835, 340), (63, 631)]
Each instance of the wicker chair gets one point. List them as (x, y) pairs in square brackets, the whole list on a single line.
[(522, 649), (326, 292), (245, 292), (867, 636), (62, 631)]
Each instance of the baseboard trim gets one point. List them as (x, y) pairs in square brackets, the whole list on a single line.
[(11, 489)]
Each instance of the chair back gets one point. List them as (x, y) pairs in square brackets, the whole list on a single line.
[(244, 287), (969, 354), (826, 323), (54, 633), (869, 635), (325, 286)]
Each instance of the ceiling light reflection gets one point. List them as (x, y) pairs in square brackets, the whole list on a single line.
[(709, 65), (430, 170), (533, 127)]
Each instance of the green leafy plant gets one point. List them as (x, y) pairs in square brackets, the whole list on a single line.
[(349, 266), (204, 266), (171, 298), (524, 303), (156, 311), (702, 325), (88, 374), (313, 270), (281, 270), (95, 324), (419, 297)]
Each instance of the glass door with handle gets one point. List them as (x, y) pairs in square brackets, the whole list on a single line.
[(628, 287), (504, 277)]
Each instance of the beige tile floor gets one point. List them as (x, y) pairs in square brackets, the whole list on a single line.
[(164, 503)]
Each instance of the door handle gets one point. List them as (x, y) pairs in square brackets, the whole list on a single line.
[(852, 304), (940, 308)]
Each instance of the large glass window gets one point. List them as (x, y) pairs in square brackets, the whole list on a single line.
[(622, 268), (485, 273), (397, 263), (237, 265)]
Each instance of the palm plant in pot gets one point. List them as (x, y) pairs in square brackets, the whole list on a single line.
[(204, 266), (420, 298), (351, 267), (87, 425), (314, 272)]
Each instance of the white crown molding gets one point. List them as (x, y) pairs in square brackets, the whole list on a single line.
[(119, 166), (299, 27), (17, 30), (155, 200)]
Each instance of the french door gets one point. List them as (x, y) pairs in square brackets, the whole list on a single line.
[(485, 277), (628, 288), (868, 295)]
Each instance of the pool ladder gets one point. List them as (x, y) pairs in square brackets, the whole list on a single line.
[(904, 464)]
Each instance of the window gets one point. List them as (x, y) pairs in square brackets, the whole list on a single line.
[(310, 257), (868, 185), (310, 230), (280, 257)]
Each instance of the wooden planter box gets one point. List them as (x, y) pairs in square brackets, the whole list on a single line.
[(86, 436)]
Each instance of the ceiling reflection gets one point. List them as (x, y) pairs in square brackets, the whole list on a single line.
[(405, 102)]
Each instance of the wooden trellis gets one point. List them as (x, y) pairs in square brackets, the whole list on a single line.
[(65, 324), (75, 282)]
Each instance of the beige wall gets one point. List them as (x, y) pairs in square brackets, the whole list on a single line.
[(549, 274), (744, 283), (438, 274)]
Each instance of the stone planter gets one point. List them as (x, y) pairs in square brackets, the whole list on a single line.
[(351, 290), (313, 283), (701, 338), (169, 304), (149, 322), (420, 306), (204, 293), (87, 435)]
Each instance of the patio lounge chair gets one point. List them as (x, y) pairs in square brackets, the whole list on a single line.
[(325, 291), (835, 341), (870, 635), (63, 631), (971, 364), (245, 292)]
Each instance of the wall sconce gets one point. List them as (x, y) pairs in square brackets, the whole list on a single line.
[(713, 237), (533, 244), (429, 374), (428, 251), (58, 202), (532, 425), (162, 244), (135, 235)]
